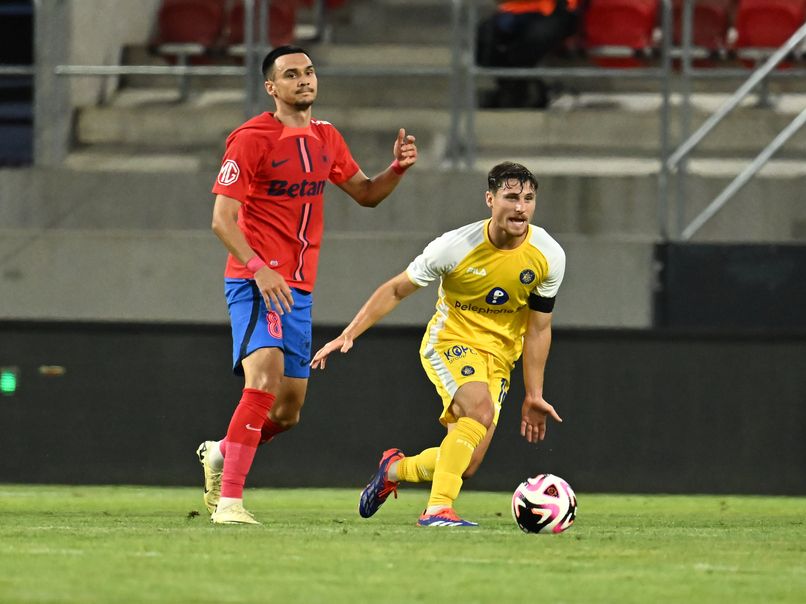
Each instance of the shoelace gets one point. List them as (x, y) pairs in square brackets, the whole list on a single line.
[(388, 487)]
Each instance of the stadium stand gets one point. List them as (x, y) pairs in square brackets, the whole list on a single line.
[(188, 28), (595, 152), (763, 25), (281, 21), (620, 33), (711, 23)]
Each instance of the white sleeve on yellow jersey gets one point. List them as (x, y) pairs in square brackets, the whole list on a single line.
[(443, 254), (555, 257)]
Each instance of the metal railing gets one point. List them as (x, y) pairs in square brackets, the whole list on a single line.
[(676, 162), (17, 70)]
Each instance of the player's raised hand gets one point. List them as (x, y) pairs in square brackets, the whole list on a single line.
[(405, 151), (343, 344), (275, 291), (533, 418)]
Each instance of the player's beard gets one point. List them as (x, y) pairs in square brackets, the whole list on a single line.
[(303, 105)]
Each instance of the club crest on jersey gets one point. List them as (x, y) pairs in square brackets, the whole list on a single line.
[(468, 370), (228, 173), (497, 297), (527, 276)]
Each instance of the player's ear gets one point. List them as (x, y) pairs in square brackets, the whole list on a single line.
[(488, 199), (269, 85)]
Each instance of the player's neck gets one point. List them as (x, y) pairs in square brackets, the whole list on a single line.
[(293, 118)]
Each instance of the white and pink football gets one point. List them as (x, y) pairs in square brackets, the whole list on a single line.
[(545, 504)]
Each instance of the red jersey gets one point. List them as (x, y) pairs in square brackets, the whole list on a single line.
[(278, 174)]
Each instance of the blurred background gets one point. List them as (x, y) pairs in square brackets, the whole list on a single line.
[(666, 137)]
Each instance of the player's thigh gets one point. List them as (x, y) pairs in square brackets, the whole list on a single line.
[(451, 366), (296, 335), (255, 330), (263, 369), (472, 399)]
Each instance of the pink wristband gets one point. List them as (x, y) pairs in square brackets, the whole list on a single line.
[(255, 264), (397, 168)]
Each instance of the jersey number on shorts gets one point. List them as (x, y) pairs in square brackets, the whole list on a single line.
[(503, 394), (275, 325)]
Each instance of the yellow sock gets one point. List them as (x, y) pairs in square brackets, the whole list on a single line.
[(454, 457), (418, 468)]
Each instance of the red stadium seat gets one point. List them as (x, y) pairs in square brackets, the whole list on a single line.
[(187, 30), (617, 31), (764, 25), (711, 22), (768, 23), (190, 22), (282, 17)]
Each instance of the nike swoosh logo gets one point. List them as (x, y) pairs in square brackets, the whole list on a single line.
[(275, 164), (250, 427)]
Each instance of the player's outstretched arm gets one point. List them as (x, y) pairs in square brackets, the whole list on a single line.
[(380, 303), (369, 192), (536, 409)]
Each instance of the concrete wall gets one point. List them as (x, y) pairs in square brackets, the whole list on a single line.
[(99, 30), (176, 276), (90, 32), (432, 201), (138, 247)]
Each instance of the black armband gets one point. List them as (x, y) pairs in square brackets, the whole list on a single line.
[(541, 304)]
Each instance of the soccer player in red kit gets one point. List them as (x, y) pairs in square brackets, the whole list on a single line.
[(268, 212)]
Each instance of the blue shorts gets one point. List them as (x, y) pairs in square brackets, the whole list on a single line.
[(254, 326)]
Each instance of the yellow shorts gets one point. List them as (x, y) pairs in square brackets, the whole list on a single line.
[(450, 364)]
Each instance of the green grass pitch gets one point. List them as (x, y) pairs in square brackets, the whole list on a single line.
[(148, 544)]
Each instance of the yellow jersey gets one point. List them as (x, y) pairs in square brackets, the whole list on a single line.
[(484, 291)]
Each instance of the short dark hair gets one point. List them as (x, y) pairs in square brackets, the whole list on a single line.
[(506, 173), (276, 53)]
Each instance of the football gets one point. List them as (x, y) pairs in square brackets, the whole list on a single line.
[(545, 505)]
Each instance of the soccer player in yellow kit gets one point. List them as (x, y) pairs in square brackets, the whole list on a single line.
[(498, 281)]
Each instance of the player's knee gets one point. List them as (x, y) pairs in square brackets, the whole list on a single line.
[(287, 422), (473, 401), (265, 381), (284, 416), (483, 413)]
